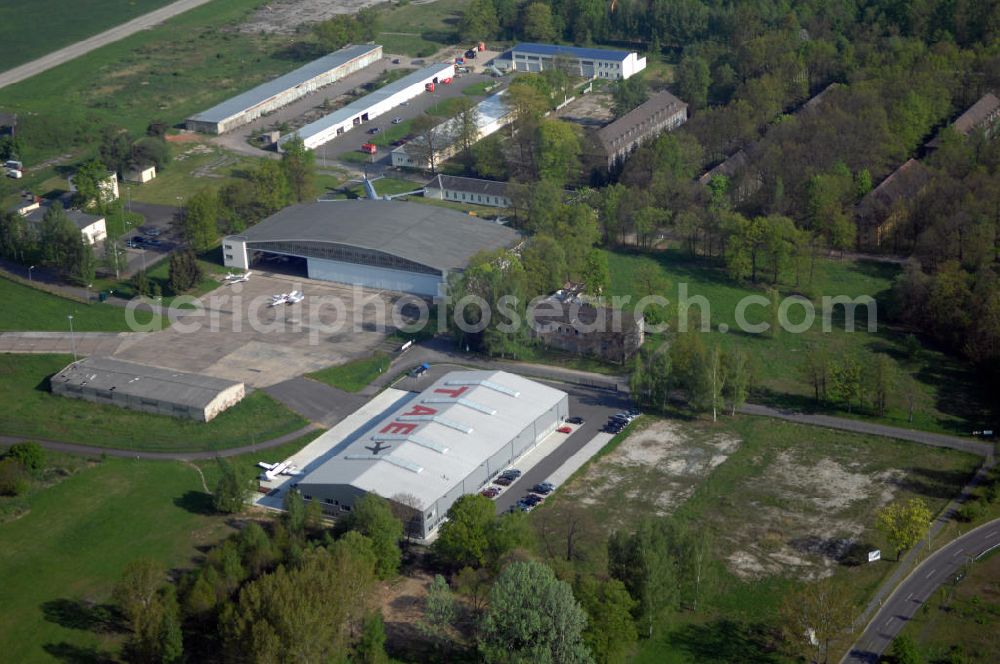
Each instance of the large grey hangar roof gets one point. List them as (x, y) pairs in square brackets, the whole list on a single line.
[(461, 420), (437, 237), (265, 91), (143, 381)]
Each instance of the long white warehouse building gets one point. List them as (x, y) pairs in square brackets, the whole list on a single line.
[(447, 442), (491, 114), (250, 105), (370, 106)]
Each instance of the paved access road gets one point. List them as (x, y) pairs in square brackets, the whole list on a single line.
[(93, 450), (941, 567), (63, 55)]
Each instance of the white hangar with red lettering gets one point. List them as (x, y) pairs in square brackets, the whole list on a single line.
[(446, 442)]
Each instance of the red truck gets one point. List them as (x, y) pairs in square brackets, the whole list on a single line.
[(369, 148), (429, 87)]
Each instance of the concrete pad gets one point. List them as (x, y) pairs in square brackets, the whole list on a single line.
[(237, 336)]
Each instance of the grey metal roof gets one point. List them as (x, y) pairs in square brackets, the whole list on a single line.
[(552, 50), (265, 91), (636, 118), (143, 381), (433, 236), (80, 219), (470, 185), (463, 432), (362, 105)]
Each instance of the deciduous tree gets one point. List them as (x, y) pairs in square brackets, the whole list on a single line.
[(532, 617), (903, 524)]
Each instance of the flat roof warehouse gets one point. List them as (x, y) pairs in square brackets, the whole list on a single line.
[(269, 92), (446, 442)]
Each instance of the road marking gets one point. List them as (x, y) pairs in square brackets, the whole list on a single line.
[(958, 552), (888, 621), (909, 596), (993, 534), (930, 574)]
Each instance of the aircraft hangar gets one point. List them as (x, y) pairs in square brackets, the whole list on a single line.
[(446, 442), (386, 245)]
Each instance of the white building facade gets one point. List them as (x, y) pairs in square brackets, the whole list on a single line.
[(583, 62), (370, 106)]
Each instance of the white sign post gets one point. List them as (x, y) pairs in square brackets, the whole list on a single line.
[(874, 555)]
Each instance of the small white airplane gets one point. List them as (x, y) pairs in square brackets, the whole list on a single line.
[(279, 299), (295, 297), (272, 470), (235, 278)]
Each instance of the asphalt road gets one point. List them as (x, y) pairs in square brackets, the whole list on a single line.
[(943, 566), (93, 450), (63, 55)]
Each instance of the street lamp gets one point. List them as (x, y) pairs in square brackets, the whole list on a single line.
[(30, 268), (89, 286), (72, 336)]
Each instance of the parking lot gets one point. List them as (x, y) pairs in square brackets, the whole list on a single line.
[(351, 141), (234, 334)]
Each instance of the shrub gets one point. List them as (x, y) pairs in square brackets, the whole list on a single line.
[(13, 477)]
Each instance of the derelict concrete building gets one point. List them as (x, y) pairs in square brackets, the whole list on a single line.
[(266, 97), (150, 389), (447, 442)]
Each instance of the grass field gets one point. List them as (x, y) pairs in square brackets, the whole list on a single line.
[(779, 501), (945, 389), (419, 30), (194, 166), (23, 41), (35, 310), (960, 623), (353, 376), (160, 274), (32, 411), (61, 561), (167, 73)]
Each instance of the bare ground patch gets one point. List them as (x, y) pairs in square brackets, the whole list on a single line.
[(283, 17), (652, 471), (806, 515)]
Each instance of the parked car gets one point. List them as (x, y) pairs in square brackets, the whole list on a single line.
[(374, 130), (503, 481), (397, 120), (369, 148), (544, 488), (138, 239), (490, 492), (512, 473), (564, 430), (395, 61), (419, 371), (470, 54), (154, 241), (532, 499), (576, 419)]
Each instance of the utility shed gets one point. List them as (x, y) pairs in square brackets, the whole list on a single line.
[(447, 442), (146, 388)]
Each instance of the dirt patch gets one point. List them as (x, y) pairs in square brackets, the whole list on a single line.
[(807, 515), (183, 137), (283, 17), (653, 470)]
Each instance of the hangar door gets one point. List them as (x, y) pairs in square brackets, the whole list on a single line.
[(374, 277)]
